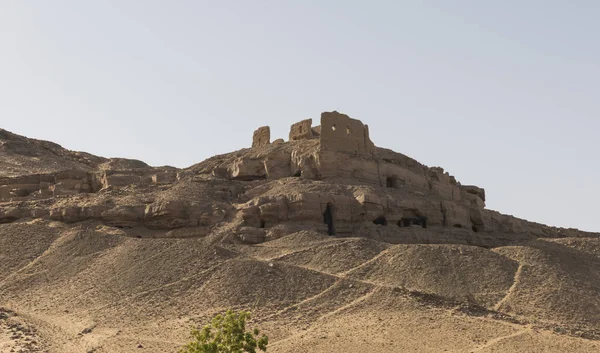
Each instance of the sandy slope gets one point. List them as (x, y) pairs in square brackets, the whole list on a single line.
[(89, 285), (91, 288)]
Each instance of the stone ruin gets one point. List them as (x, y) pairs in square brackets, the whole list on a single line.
[(330, 178), (261, 137), (337, 132), (394, 197)]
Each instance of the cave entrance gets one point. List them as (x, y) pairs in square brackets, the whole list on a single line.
[(393, 182), (328, 219), (412, 221), (412, 217), (380, 221)]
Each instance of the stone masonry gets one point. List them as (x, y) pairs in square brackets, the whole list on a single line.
[(330, 178), (261, 137)]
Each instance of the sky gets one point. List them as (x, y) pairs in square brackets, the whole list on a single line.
[(502, 94)]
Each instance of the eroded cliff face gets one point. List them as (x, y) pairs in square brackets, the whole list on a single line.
[(330, 178), (322, 233)]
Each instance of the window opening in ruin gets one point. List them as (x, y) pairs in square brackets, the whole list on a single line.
[(262, 223), (328, 219), (333, 127), (348, 130), (392, 182), (380, 221)]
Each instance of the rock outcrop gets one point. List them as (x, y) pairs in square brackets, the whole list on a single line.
[(333, 243), (330, 178)]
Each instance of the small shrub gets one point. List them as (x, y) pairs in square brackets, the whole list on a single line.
[(226, 334)]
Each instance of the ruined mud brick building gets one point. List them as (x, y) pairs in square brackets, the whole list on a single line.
[(385, 192), (330, 178)]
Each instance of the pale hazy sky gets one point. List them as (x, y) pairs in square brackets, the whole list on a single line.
[(502, 94)]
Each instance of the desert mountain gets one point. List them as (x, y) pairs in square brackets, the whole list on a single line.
[(334, 244)]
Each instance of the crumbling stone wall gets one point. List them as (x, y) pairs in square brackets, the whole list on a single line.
[(66, 182), (261, 137), (302, 130), (341, 133), (346, 153), (317, 131)]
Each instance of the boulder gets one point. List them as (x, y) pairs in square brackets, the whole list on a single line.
[(168, 214), (124, 215), (251, 235), (277, 166), (70, 214), (248, 169)]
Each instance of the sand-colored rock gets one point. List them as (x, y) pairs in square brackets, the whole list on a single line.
[(261, 137), (301, 130), (333, 243), (341, 133)]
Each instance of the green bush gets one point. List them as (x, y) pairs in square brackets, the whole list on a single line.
[(226, 334)]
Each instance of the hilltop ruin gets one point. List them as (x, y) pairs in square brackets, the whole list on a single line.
[(407, 193), (312, 234), (330, 178)]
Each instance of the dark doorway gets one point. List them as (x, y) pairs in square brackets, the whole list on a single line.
[(380, 221), (410, 221), (393, 182), (262, 223), (328, 219)]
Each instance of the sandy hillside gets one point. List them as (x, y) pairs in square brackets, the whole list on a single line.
[(100, 255)]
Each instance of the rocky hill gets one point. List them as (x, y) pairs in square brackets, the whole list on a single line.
[(334, 244), (23, 156)]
